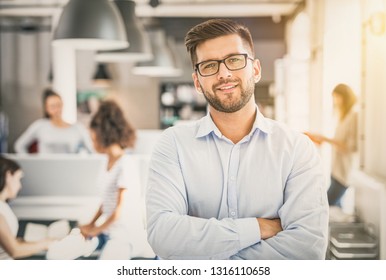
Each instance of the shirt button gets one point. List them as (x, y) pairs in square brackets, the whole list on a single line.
[(233, 213), (232, 178)]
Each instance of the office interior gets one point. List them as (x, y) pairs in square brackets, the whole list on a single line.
[(305, 47)]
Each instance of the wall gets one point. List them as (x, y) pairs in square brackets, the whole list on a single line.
[(371, 192), (335, 58), (292, 82), (24, 62), (373, 158), (138, 95)]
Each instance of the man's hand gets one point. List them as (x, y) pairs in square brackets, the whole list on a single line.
[(269, 227)]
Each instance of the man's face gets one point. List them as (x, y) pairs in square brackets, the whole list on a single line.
[(226, 91)]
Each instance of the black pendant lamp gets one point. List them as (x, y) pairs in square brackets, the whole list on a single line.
[(102, 73), (91, 25), (102, 77), (139, 48)]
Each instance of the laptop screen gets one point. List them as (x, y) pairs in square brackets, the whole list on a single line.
[(60, 175)]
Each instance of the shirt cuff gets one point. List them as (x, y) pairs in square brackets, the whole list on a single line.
[(249, 232)]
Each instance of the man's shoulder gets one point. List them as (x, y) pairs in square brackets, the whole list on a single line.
[(181, 134), (284, 133), (183, 129), (280, 127)]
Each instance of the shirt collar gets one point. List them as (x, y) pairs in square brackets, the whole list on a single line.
[(206, 125)]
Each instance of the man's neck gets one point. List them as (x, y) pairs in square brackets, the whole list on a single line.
[(235, 126)]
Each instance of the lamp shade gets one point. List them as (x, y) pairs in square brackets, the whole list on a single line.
[(139, 48), (164, 62), (102, 77), (92, 25), (101, 72)]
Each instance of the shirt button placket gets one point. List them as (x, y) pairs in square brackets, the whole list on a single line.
[(232, 182)]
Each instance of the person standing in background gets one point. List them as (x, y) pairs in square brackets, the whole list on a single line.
[(344, 143), (111, 134), (10, 185), (51, 133)]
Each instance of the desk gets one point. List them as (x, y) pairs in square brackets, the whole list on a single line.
[(76, 208)]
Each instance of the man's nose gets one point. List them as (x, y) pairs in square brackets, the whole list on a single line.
[(223, 71)]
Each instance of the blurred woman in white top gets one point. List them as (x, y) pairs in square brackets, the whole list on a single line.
[(344, 143), (10, 246), (51, 133), (111, 134)]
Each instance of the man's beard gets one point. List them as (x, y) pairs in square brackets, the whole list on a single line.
[(234, 105)]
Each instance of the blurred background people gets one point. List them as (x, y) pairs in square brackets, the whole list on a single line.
[(111, 134), (52, 134), (344, 143), (10, 246)]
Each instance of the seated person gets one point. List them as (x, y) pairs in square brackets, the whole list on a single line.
[(10, 185)]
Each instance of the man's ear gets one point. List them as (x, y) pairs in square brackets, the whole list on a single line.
[(196, 82), (257, 70)]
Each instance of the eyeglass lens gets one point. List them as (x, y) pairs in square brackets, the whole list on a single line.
[(211, 67)]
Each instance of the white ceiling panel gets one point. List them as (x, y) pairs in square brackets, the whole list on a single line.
[(167, 8)]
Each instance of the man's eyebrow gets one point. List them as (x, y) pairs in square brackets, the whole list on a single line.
[(211, 59)]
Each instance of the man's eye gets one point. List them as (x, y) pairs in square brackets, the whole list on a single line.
[(209, 65), (233, 60)]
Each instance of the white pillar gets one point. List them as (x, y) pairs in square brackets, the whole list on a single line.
[(64, 79)]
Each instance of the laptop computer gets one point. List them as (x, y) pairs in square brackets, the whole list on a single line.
[(60, 175)]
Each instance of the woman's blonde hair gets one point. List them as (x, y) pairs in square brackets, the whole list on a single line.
[(349, 99)]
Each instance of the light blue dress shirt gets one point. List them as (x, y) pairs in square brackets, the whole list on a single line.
[(205, 192)]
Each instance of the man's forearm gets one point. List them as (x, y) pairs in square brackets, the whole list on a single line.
[(269, 227), (199, 238)]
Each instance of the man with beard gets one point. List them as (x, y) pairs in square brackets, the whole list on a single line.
[(234, 185)]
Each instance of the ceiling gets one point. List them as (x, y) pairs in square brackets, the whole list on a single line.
[(263, 17), (168, 8)]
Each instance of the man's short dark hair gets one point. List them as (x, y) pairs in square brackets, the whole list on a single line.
[(212, 29)]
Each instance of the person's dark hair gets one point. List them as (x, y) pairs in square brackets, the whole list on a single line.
[(5, 166), (212, 29), (111, 126), (48, 93)]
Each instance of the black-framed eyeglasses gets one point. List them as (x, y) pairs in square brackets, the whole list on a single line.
[(233, 62)]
